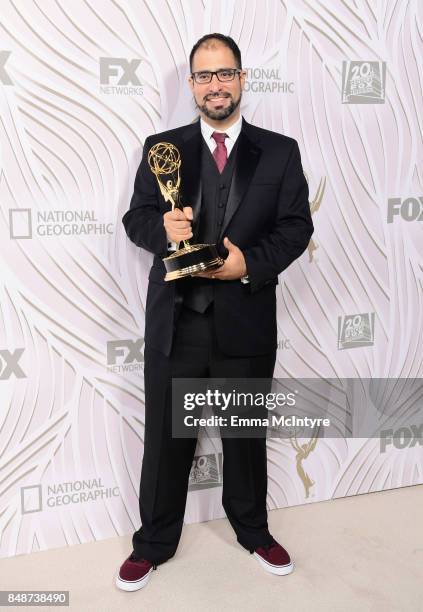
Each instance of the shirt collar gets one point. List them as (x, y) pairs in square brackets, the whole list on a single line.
[(232, 132)]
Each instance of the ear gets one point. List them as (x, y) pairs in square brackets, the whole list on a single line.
[(191, 83)]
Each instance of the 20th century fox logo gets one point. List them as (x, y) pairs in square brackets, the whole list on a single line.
[(363, 82), (356, 330), (206, 472)]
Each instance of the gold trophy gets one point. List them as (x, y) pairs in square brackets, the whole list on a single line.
[(165, 161)]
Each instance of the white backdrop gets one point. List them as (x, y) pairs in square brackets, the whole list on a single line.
[(82, 83)]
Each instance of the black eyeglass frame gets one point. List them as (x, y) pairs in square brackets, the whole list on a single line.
[(216, 72)]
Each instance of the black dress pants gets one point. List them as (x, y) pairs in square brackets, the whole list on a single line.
[(167, 460)]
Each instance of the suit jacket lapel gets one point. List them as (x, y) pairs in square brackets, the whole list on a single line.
[(247, 157), (191, 172)]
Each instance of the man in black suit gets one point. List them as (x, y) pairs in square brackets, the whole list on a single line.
[(248, 195)]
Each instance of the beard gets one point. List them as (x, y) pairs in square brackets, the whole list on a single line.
[(221, 113)]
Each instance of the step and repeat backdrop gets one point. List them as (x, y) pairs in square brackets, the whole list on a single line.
[(82, 84)]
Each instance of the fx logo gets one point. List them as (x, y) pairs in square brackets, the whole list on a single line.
[(410, 209), (112, 66), (402, 437), (11, 365), (120, 348), (4, 77)]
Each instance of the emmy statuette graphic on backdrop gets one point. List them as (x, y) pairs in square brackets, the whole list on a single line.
[(314, 207), (165, 161)]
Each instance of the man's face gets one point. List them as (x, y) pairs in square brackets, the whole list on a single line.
[(216, 100)]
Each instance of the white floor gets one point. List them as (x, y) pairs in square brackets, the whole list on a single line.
[(362, 553)]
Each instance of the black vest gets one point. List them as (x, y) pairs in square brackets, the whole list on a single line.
[(198, 293)]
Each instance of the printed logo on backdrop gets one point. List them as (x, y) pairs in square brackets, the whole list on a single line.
[(284, 344), (356, 330), (36, 498), (267, 80), (125, 355), (9, 364), (408, 209), (302, 450), (403, 437), (4, 75), (23, 224), (363, 82), (118, 76), (206, 472), (314, 207)]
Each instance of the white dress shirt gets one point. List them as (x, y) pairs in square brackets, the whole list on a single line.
[(232, 132)]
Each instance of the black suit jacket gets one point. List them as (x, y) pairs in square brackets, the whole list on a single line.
[(267, 216)]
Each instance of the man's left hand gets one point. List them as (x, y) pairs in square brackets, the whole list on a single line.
[(233, 268)]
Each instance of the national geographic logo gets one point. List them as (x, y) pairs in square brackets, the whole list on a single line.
[(9, 364), (363, 82), (4, 75), (403, 437), (118, 76), (129, 353), (356, 330), (64, 494), (267, 80), (206, 472), (49, 223), (410, 209), (284, 344)]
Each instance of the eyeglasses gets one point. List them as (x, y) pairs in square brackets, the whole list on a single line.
[(223, 75)]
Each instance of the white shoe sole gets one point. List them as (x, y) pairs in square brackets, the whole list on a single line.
[(133, 585), (279, 570)]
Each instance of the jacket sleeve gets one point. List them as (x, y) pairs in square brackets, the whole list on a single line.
[(292, 230), (143, 221)]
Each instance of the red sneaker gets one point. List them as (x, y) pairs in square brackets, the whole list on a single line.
[(274, 559), (134, 573)]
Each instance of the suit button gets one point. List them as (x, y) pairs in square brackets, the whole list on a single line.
[(222, 186), (220, 222), (221, 205)]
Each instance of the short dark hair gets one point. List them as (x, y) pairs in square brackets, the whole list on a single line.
[(225, 40)]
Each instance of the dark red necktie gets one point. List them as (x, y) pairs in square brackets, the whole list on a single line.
[(220, 153)]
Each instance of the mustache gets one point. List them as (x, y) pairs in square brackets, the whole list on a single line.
[(217, 95)]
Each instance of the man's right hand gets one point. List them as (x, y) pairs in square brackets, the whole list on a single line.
[(177, 224)]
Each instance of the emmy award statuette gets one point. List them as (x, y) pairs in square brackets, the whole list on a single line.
[(165, 161)]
